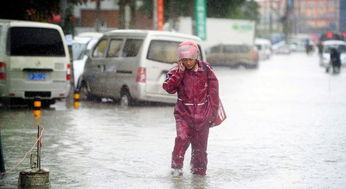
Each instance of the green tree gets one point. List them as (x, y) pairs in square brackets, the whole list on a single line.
[(248, 10), (178, 7), (215, 8), (132, 5), (222, 8), (38, 10)]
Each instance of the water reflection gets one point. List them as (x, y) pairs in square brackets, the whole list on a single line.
[(199, 182), (286, 123), (190, 182)]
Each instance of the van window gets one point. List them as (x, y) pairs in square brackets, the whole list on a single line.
[(163, 51), (132, 47), (0, 33), (259, 47), (342, 49), (77, 50), (215, 49), (230, 49), (114, 47), (30, 41), (244, 49), (100, 48)]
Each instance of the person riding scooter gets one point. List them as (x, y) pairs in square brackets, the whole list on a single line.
[(335, 60)]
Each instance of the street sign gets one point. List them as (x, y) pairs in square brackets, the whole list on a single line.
[(201, 14)]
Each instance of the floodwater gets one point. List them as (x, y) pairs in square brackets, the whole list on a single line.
[(286, 128)]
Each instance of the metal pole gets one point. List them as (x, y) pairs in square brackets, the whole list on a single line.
[(38, 147), (98, 20), (270, 17), (337, 15), (155, 14), (2, 163)]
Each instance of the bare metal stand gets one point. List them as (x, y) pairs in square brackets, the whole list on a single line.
[(2, 163)]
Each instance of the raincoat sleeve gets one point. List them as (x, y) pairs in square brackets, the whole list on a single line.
[(213, 91), (173, 80)]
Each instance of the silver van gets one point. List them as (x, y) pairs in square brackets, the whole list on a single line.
[(233, 55), (131, 65), (34, 62)]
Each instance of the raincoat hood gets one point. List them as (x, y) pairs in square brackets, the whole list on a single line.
[(188, 49)]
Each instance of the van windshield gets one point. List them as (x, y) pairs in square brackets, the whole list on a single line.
[(236, 49), (30, 41), (340, 48)]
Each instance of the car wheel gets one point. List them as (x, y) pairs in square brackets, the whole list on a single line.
[(84, 92), (253, 66), (125, 98)]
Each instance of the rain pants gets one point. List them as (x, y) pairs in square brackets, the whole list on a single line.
[(194, 112)]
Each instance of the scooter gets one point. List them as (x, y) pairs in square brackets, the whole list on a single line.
[(335, 69)]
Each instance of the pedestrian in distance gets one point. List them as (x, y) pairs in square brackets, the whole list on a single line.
[(320, 48), (335, 61), (195, 111), (309, 48)]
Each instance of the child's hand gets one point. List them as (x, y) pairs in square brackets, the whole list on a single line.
[(181, 66)]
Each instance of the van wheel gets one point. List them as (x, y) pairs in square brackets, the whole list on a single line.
[(253, 66), (125, 98), (47, 103)]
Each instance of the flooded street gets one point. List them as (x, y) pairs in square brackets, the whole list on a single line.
[(286, 128)]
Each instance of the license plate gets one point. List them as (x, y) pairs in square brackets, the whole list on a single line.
[(37, 76)]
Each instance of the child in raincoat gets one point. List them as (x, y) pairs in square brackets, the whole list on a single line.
[(196, 108)]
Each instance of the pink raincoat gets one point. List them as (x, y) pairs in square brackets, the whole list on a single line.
[(195, 110)]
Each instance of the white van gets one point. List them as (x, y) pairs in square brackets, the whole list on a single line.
[(81, 45), (34, 62), (327, 45), (264, 47), (131, 65)]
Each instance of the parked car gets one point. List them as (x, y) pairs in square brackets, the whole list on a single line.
[(34, 62), (233, 55), (131, 65), (82, 44), (298, 42), (283, 49), (327, 45), (264, 47)]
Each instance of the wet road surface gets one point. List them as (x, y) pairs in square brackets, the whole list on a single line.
[(286, 128)]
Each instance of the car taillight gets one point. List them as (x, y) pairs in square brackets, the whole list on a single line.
[(141, 75), (68, 72), (254, 56), (2, 70)]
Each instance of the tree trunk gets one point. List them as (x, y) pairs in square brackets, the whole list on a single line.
[(133, 14), (98, 20), (172, 17), (122, 4)]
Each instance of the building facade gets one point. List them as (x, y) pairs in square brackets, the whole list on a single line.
[(304, 16), (271, 12), (343, 17), (316, 16), (86, 16)]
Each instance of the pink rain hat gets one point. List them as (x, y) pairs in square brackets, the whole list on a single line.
[(188, 49)]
